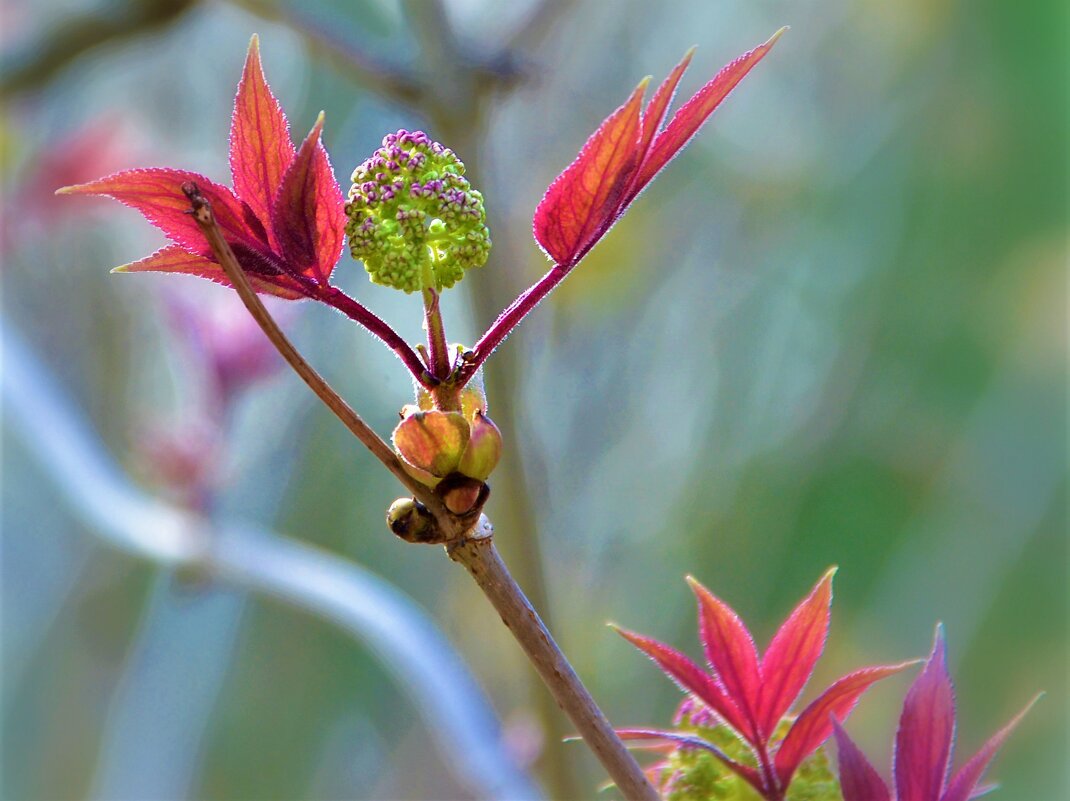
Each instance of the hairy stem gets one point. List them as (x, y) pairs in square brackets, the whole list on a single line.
[(481, 559), (202, 214), (436, 335), (358, 312)]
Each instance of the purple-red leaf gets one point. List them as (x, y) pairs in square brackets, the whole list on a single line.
[(658, 108), (583, 201), (174, 259), (157, 194), (691, 116), (260, 146), (729, 650), (926, 730), (749, 774), (691, 679), (814, 725), (309, 216), (859, 780), (964, 784), (792, 654)]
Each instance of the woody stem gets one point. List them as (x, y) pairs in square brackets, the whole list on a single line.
[(471, 545), (202, 215)]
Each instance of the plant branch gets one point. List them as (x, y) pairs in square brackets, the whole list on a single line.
[(481, 559), (538, 25), (372, 611), (37, 62), (389, 80), (470, 544), (202, 214), (359, 313)]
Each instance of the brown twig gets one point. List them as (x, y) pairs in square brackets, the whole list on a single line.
[(201, 210), (468, 543), (481, 559)]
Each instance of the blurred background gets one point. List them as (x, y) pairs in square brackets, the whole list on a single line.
[(832, 332)]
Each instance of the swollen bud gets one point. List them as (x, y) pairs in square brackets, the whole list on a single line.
[(431, 443), (484, 448), (409, 519)]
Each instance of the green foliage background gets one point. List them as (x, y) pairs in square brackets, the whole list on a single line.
[(833, 331)]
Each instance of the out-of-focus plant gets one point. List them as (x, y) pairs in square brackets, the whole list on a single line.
[(923, 745), (418, 225), (735, 728)]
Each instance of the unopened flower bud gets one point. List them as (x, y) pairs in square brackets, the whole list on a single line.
[(484, 448), (431, 444), (414, 220), (409, 519)]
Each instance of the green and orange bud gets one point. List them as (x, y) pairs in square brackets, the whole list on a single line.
[(463, 446), (414, 220), (484, 448)]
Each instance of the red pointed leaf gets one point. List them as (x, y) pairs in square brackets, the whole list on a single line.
[(964, 784), (791, 656), (655, 112), (814, 725), (309, 218), (173, 259), (859, 780), (582, 202), (157, 194), (746, 772), (687, 121), (691, 679), (260, 145), (729, 650), (926, 730)]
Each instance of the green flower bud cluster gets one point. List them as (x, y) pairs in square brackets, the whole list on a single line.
[(691, 774), (414, 220)]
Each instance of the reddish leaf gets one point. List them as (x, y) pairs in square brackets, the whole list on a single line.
[(691, 116), (791, 656), (260, 145), (309, 219), (814, 725), (582, 202), (859, 780), (729, 650), (157, 194), (691, 679), (926, 730), (964, 785), (749, 774), (174, 259), (658, 107)]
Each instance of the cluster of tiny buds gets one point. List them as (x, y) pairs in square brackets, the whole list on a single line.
[(414, 220)]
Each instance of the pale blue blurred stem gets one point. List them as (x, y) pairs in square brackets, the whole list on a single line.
[(396, 630), (172, 678), (171, 682)]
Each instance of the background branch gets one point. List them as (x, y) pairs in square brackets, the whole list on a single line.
[(398, 632), (37, 62)]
